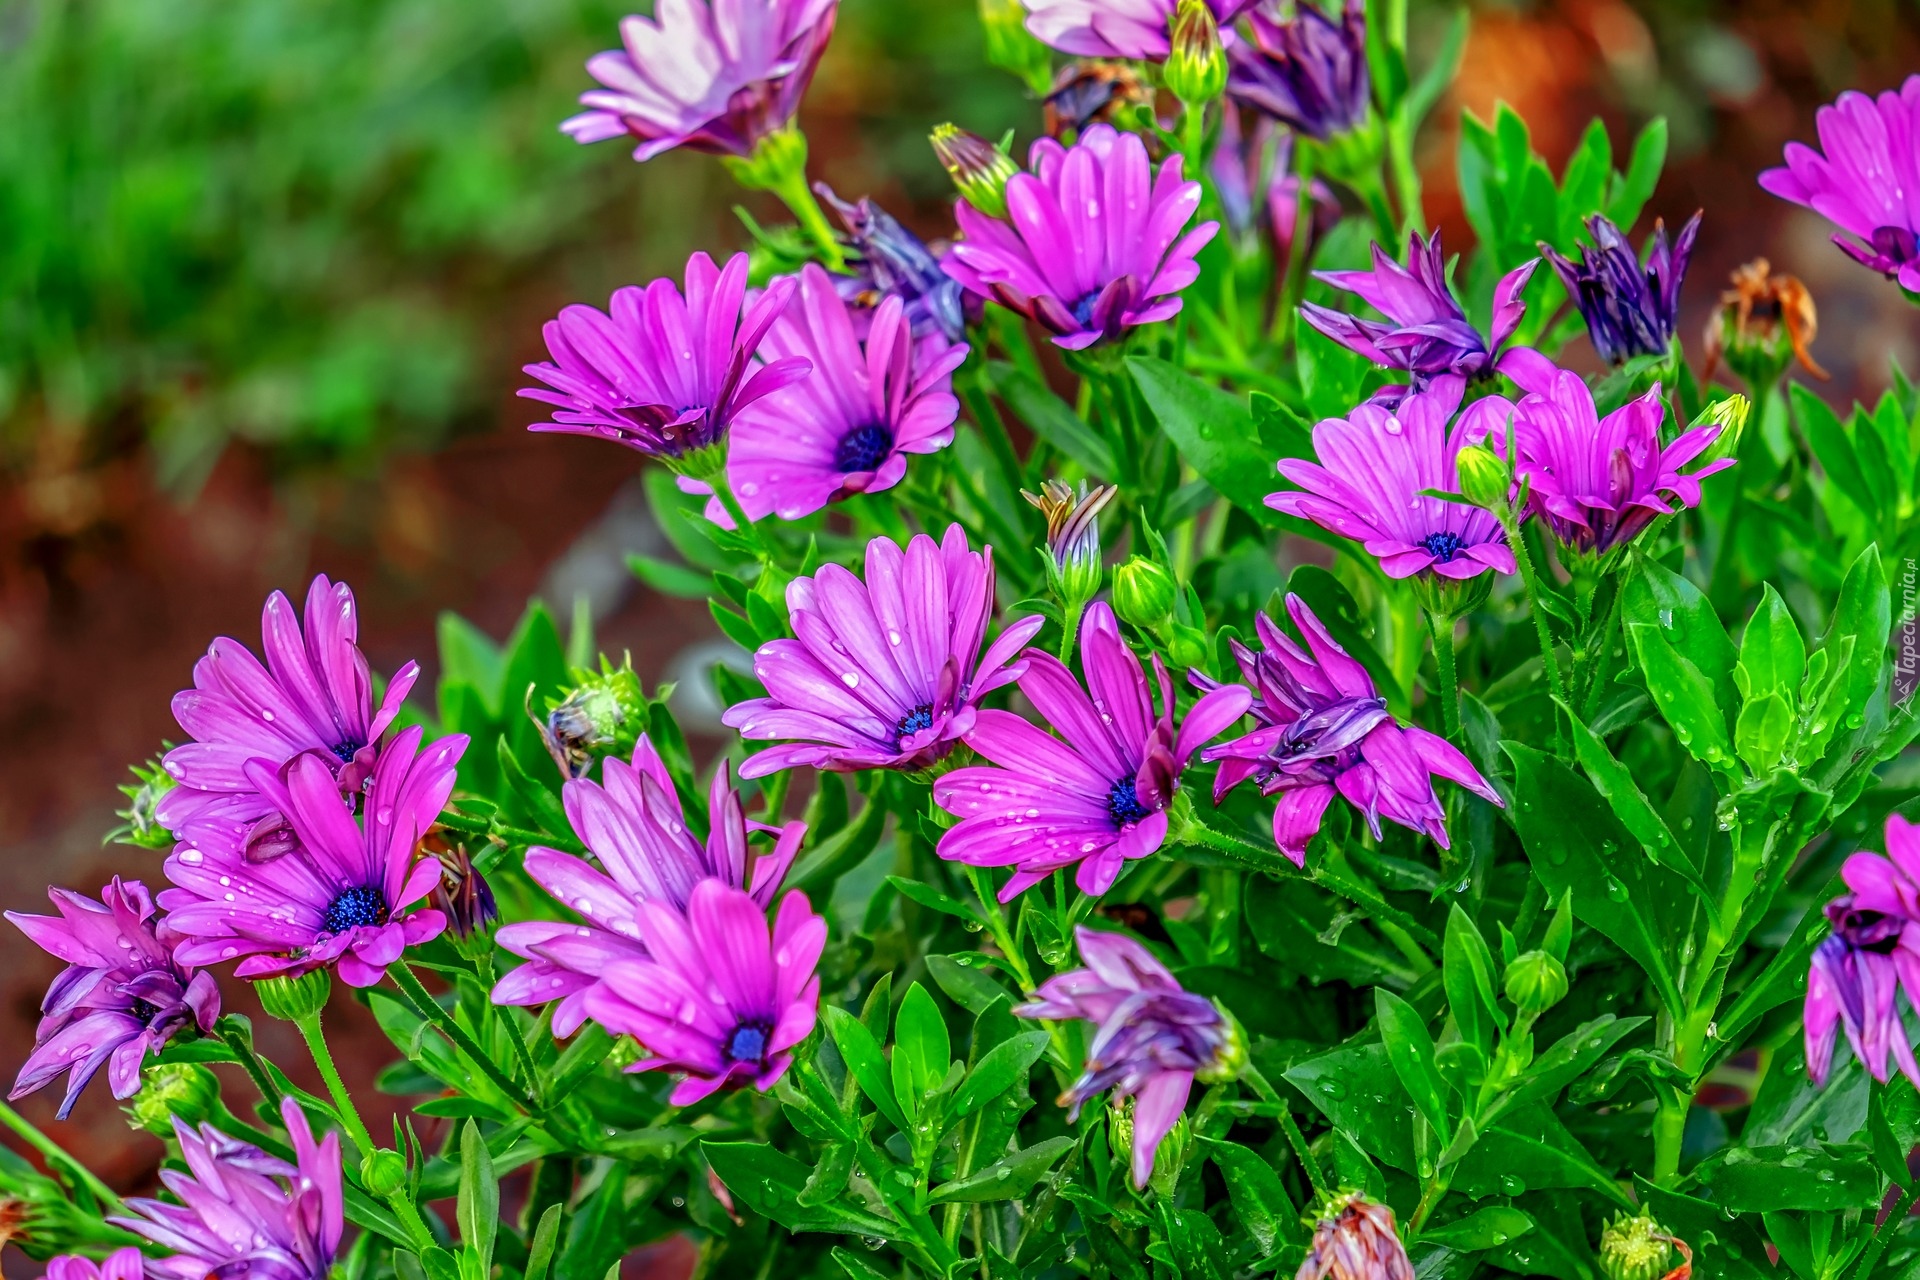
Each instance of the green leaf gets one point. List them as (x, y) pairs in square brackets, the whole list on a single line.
[(1760, 735), (1614, 781), (1832, 448), (922, 1051), (1630, 195), (857, 1267), (1570, 1057), (1529, 1149), (478, 1208), (1359, 1092), (1261, 1203), (1864, 616), (934, 900), (1483, 1229), (1052, 419), (1468, 973), (1004, 1067), (829, 1176), (864, 1059), (468, 656), (1685, 697), (1768, 1179), (546, 1234), (771, 1183), (670, 579), (1657, 596), (1410, 1050), (1005, 1179), (1773, 656), (1889, 1153), (1214, 433), (1723, 1248), (968, 985)]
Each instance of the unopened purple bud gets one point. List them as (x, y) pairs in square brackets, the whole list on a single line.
[(978, 168)]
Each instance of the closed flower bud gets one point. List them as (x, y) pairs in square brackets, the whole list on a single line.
[(979, 169), (1730, 415), (1188, 647), (384, 1172), (295, 999), (1535, 983), (172, 1091), (1764, 322), (1355, 1239), (1635, 1248), (1196, 68), (1072, 554), (1142, 592), (1013, 48), (1485, 478)]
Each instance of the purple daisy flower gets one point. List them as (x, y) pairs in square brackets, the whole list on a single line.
[(1374, 467), (1868, 182), (1095, 797), (243, 1212), (661, 372), (1150, 1038), (1428, 333), (886, 673), (1631, 309), (339, 896), (1325, 730), (121, 996), (1872, 954), (1598, 482), (121, 1264), (711, 76), (1308, 72), (636, 830), (886, 258), (719, 1000), (315, 693), (1092, 245), (1116, 28), (849, 427)]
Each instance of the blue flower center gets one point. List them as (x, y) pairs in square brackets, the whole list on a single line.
[(1083, 309), (361, 906), (1443, 546), (144, 1010), (1123, 806), (344, 752), (748, 1043), (862, 448), (915, 721)]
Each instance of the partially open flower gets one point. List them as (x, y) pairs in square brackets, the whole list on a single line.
[(1631, 307), (1073, 536), (1763, 321), (1309, 71), (979, 169)]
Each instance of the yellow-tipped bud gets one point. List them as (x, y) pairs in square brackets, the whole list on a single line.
[(979, 169), (1196, 69)]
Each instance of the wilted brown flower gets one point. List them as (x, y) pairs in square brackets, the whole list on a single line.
[(1755, 314), (1355, 1239), (1092, 92)]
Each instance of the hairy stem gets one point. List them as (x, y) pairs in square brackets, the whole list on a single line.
[(1251, 1077), (336, 1087), (1445, 661)]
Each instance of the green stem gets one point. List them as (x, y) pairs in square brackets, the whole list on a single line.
[(1445, 661), (1883, 1234), (794, 192), (56, 1157), (1669, 1127), (519, 837), (1193, 130), (723, 489), (1293, 282), (1529, 577), (1430, 1199), (336, 1087), (1373, 193), (250, 1061), (1251, 1077), (1070, 628), (431, 1009)]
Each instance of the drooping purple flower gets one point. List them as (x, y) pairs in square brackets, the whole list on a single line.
[(710, 75), (1116, 28), (1598, 482), (885, 674), (1631, 308), (1150, 1037), (718, 1001), (1093, 244), (662, 372), (1374, 467), (121, 996), (1427, 332), (887, 259), (340, 894), (636, 830), (121, 1264), (1093, 798), (1308, 72), (1872, 954), (315, 693), (849, 426), (1354, 1238), (1868, 182), (1325, 730), (244, 1213)]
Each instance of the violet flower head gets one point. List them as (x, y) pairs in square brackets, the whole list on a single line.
[(1116, 28), (1150, 1037), (662, 372), (885, 674), (1093, 243), (1868, 181), (1097, 796), (849, 426), (1599, 482), (1324, 730), (887, 259), (314, 693), (709, 75), (121, 996), (636, 830), (1308, 72), (1374, 467), (341, 895), (243, 1212), (1871, 956), (1426, 332), (720, 1001), (1354, 1238), (1631, 308), (121, 1264)]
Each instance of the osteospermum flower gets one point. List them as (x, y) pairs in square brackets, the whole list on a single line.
[(1631, 308), (1093, 798), (121, 1264), (1151, 1038), (885, 674), (1324, 730), (340, 896), (1308, 72), (849, 426), (1868, 181), (315, 693), (662, 372), (1093, 244), (1374, 466), (636, 830), (1871, 955), (243, 1212), (710, 75), (719, 1001), (1354, 1238), (121, 996), (1426, 332), (1115, 28)]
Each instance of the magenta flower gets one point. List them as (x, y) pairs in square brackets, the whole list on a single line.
[(636, 830), (1374, 466), (663, 373), (710, 75), (1872, 954), (1427, 332), (885, 674), (1868, 182), (315, 693), (718, 1001), (121, 1264), (1116, 28), (1095, 797), (1325, 730), (1599, 482), (339, 896), (243, 1212), (848, 427), (1150, 1037), (121, 996), (1093, 244), (1309, 72)]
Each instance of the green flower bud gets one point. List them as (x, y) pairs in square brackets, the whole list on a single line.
[(979, 169), (383, 1172), (1485, 478), (778, 160), (1231, 1057), (1013, 48), (295, 999), (1635, 1248), (184, 1091), (605, 712), (1120, 1128), (1188, 646), (138, 826), (1730, 413), (1142, 592), (1196, 68), (1535, 983)]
